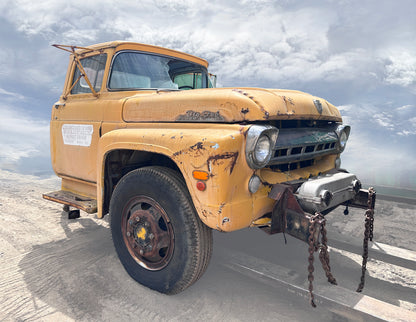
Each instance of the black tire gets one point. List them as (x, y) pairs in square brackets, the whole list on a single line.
[(156, 231)]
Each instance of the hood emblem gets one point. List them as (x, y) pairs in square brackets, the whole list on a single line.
[(318, 105)]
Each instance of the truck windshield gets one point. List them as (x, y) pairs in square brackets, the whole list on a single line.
[(136, 70)]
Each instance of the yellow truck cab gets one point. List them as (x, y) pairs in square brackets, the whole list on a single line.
[(141, 132)]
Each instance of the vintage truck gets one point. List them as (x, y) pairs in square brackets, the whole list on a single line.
[(141, 132)]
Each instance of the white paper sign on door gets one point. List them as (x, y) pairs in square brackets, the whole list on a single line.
[(77, 134)]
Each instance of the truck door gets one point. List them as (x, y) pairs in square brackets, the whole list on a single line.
[(76, 122)]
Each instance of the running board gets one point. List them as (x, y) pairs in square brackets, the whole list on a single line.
[(89, 205)]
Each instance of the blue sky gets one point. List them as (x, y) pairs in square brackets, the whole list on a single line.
[(360, 55)]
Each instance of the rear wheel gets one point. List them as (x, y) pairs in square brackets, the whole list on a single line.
[(156, 231)]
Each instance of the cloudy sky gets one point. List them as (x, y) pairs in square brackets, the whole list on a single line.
[(360, 55)]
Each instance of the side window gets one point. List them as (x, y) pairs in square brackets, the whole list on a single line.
[(184, 81), (189, 80), (94, 68)]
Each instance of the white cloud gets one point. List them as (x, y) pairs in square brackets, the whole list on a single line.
[(406, 107), (21, 137), (400, 120), (409, 130), (350, 50), (256, 40), (401, 69), (385, 120), (6, 60), (11, 95)]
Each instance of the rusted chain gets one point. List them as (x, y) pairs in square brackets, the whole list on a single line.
[(368, 235), (324, 255), (311, 250), (318, 220)]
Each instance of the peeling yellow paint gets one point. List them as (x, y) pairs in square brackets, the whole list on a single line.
[(141, 234), (203, 129)]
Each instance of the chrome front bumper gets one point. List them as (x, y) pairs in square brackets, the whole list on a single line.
[(293, 210), (327, 191)]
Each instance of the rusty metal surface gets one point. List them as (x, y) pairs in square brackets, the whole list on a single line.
[(195, 130), (288, 216), (361, 200), (296, 144), (147, 233), (316, 228), (368, 234), (77, 61), (220, 105), (314, 245), (86, 204)]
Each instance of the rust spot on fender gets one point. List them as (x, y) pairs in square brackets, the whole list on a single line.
[(243, 131), (197, 146), (195, 149), (215, 159), (220, 209)]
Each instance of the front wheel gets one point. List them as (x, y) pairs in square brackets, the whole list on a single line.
[(156, 231)]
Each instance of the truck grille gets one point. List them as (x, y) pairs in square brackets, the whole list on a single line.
[(298, 148)]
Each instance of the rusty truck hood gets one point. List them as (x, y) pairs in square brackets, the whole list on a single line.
[(227, 105)]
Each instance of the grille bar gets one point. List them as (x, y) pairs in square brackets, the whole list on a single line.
[(303, 144)]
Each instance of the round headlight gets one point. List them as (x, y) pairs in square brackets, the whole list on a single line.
[(343, 132), (262, 149), (259, 145), (343, 140)]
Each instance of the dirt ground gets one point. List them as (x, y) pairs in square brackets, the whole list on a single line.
[(394, 223), (52, 268)]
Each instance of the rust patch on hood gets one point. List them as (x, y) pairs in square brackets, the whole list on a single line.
[(220, 105), (288, 100), (266, 114)]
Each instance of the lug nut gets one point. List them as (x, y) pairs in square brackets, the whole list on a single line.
[(128, 234), (141, 252), (151, 236)]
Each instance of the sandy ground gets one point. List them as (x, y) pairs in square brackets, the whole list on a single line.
[(52, 268)]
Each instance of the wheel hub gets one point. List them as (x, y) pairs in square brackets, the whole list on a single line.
[(141, 236), (148, 234)]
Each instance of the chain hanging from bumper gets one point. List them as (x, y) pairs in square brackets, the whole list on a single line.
[(318, 221), (368, 235)]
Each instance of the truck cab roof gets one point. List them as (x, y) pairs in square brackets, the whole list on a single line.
[(129, 45)]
